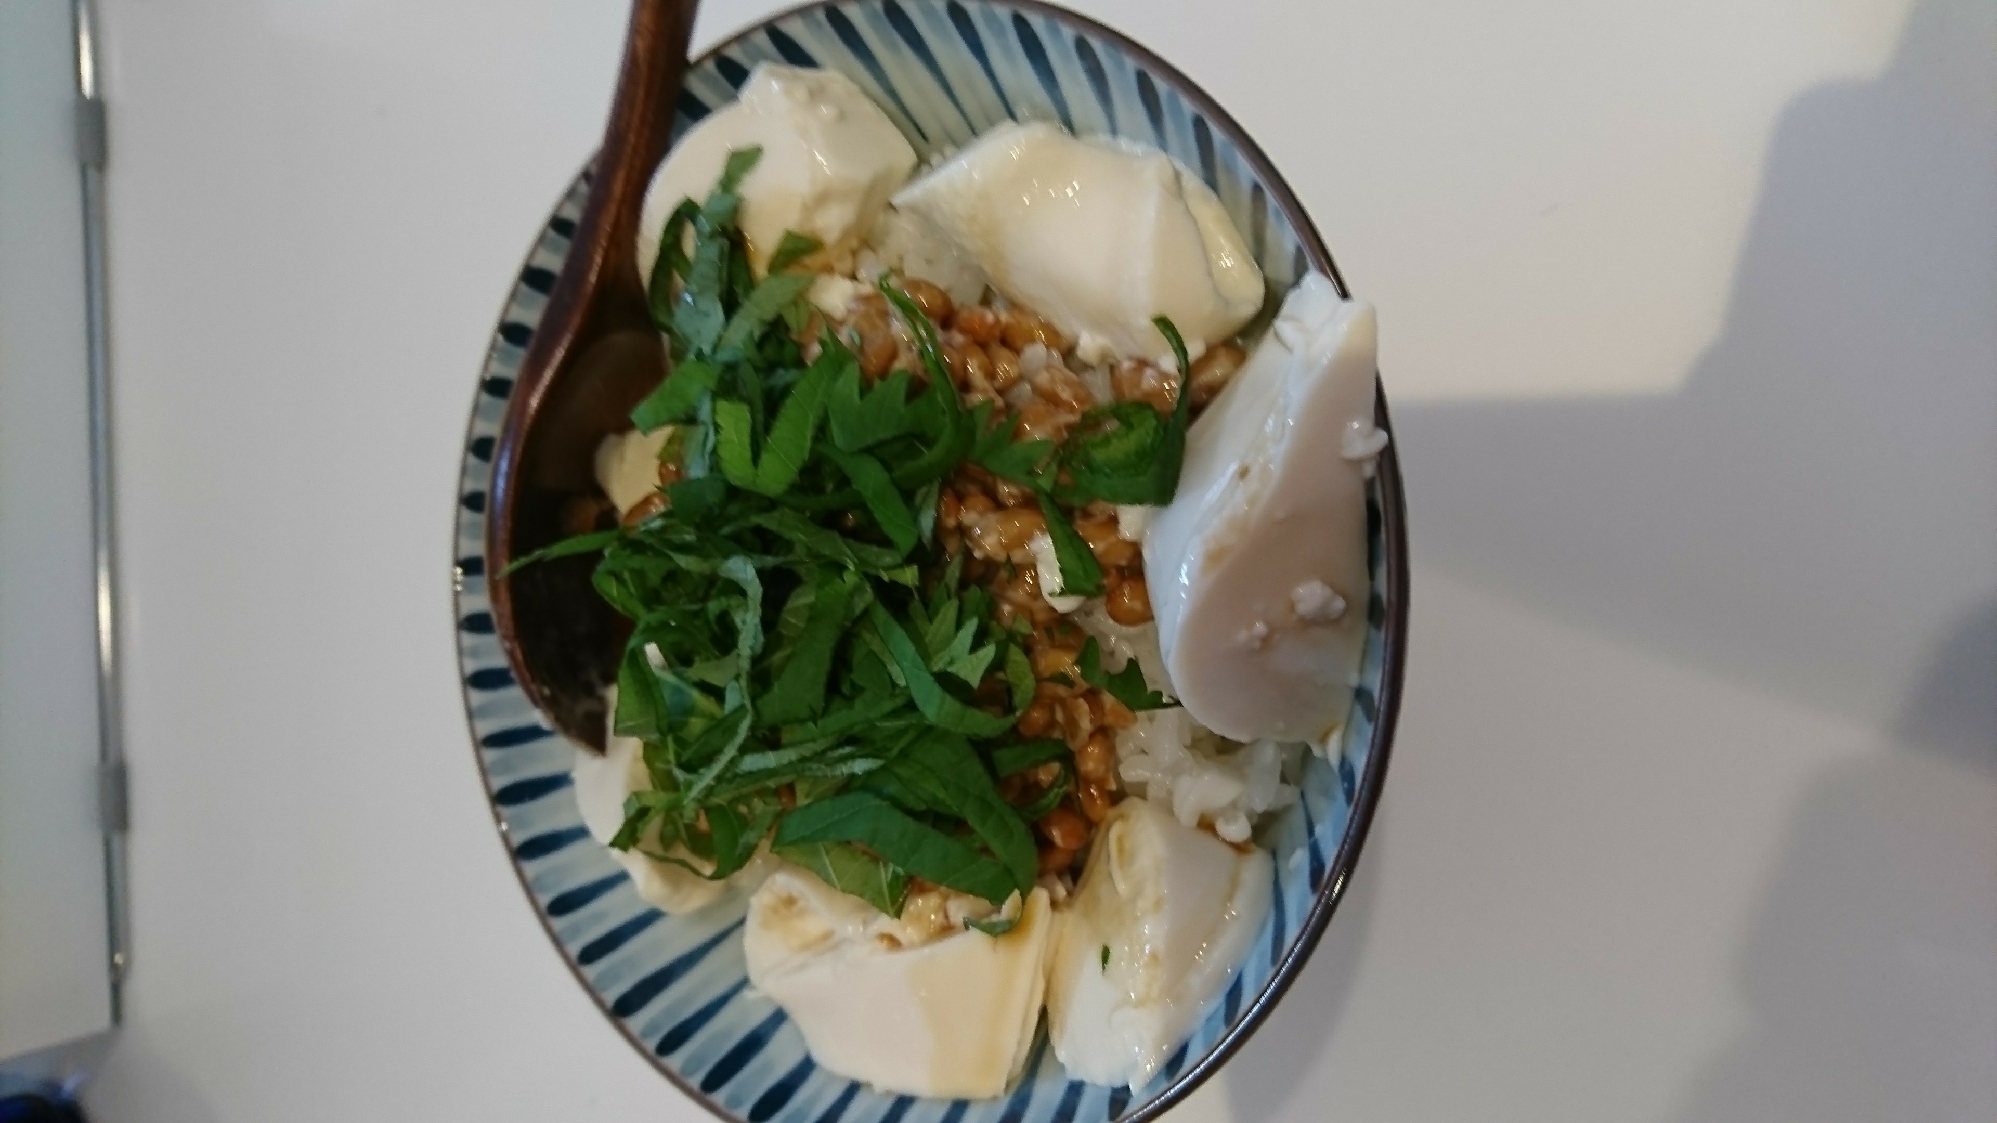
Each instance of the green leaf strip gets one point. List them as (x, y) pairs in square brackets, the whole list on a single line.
[(899, 840)]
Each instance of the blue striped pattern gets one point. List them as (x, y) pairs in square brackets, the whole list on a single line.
[(944, 71)]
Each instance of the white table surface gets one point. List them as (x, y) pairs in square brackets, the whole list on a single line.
[(1690, 326)]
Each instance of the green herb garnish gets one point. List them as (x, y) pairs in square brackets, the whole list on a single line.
[(994, 926), (803, 671), (1044, 804), (1081, 575), (1120, 452), (850, 869), (871, 821), (1126, 686), (999, 924), (1011, 760), (794, 247)]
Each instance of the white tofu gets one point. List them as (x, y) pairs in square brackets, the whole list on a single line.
[(627, 465), (1161, 918), (601, 783), (953, 1017), (1097, 235), (830, 161), (1258, 566)]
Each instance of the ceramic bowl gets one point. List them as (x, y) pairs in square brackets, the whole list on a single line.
[(676, 987)]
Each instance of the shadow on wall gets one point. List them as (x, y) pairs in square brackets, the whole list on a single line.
[(1867, 970), (1816, 513), (1819, 504)]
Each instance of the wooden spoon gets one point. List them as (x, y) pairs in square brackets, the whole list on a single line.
[(594, 355)]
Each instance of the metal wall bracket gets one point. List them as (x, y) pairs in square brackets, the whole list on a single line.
[(114, 807), (90, 142), (92, 151)]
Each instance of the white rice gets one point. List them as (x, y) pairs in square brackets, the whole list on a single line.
[(1170, 759), (1096, 378)]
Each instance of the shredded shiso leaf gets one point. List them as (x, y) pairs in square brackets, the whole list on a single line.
[(804, 666)]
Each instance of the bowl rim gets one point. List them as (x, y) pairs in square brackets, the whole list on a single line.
[(1394, 596)]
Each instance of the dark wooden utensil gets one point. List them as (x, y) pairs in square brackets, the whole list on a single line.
[(594, 355)]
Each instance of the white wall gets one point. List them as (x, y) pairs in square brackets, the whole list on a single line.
[(54, 983)]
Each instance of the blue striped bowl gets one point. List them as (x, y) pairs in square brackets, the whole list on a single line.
[(944, 71)]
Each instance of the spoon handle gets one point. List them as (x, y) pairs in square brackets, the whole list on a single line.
[(604, 249), (594, 353)]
